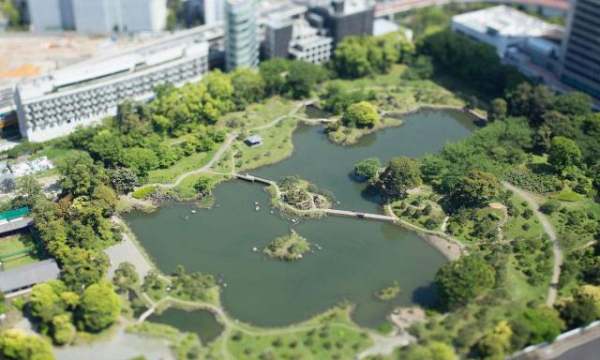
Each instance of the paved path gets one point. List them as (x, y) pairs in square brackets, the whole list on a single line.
[(127, 251), (385, 345), (119, 346), (549, 229)]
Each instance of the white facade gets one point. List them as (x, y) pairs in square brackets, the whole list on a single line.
[(214, 11), (45, 15), (308, 45), (84, 94), (501, 27)]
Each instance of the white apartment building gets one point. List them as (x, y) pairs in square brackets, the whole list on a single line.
[(82, 95)]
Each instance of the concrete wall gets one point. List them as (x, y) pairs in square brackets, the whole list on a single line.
[(45, 15)]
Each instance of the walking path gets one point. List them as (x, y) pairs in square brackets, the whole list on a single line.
[(549, 229)]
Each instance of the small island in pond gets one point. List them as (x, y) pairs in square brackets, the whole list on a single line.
[(389, 292), (299, 194), (288, 247)]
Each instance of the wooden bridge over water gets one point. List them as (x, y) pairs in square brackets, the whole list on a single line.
[(335, 212)]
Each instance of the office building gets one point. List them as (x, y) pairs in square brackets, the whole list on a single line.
[(98, 16), (307, 45), (581, 48), (342, 18), (83, 94), (502, 27), (213, 10), (51, 15), (241, 34)]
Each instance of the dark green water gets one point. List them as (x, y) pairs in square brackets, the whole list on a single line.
[(201, 322), (355, 259)]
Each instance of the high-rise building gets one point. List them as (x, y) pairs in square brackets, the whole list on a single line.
[(213, 10), (241, 34), (98, 16), (581, 47), (341, 18), (51, 15)]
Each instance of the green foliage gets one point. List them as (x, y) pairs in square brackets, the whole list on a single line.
[(399, 176), (537, 182), (144, 192), (498, 110), (563, 153), (292, 78), (477, 189), (388, 292), (289, 247), (470, 61), (583, 308), (368, 168), (16, 344), (79, 174), (191, 286), (63, 330), (338, 97), (362, 114), (204, 186), (361, 56), (536, 325), (433, 350), (82, 267), (463, 280), (125, 277), (248, 87), (123, 180), (99, 308), (496, 343), (421, 68)]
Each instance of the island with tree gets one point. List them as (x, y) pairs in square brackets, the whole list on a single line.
[(289, 247)]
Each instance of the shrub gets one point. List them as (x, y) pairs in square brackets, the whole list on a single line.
[(549, 207), (144, 192)]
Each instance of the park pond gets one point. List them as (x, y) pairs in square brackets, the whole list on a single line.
[(351, 259)]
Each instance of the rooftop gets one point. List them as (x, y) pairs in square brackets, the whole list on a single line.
[(28, 275), (505, 21)]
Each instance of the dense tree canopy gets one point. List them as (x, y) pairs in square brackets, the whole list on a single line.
[(463, 280), (362, 114), (399, 176), (368, 168), (563, 153), (536, 325), (476, 189), (100, 307), (16, 344)]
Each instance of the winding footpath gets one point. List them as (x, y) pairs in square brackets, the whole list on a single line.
[(549, 229)]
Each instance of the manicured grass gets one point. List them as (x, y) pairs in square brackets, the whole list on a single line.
[(329, 336), (16, 243), (568, 195), (186, 164), (277, 145), (518, 226), (185, 190), (258, 114), (518, 287), (144, 192)]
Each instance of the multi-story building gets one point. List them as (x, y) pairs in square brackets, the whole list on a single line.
[(85, 93), (581, 47), (51, 15), (213, 10), (341, 18), (307, 45), (241, 34), (98, 16)]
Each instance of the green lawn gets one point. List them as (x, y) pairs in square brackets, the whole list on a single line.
[(186, 164), (258, 114), (15, 244)]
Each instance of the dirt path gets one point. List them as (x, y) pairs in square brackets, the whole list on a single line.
[(549, 229)]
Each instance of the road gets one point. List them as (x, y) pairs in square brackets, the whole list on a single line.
[(549, 229)]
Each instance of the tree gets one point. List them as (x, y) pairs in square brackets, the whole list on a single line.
[(99, 308), (496, 343), (351, 58), (126, 278), (45, 303), (498, 110), (29, 191), (124, 180), (368, 168), (16, 344), (82, 267), (563, 153), (476, 189), (79, 174), (463, 280), (274, 72), (248, 87), (433, 350), (204, 186), (573, 104), (63, 330), (401, 174), (536, 325), (302, 78), (362, 114), (583, 308), (141, 160)]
